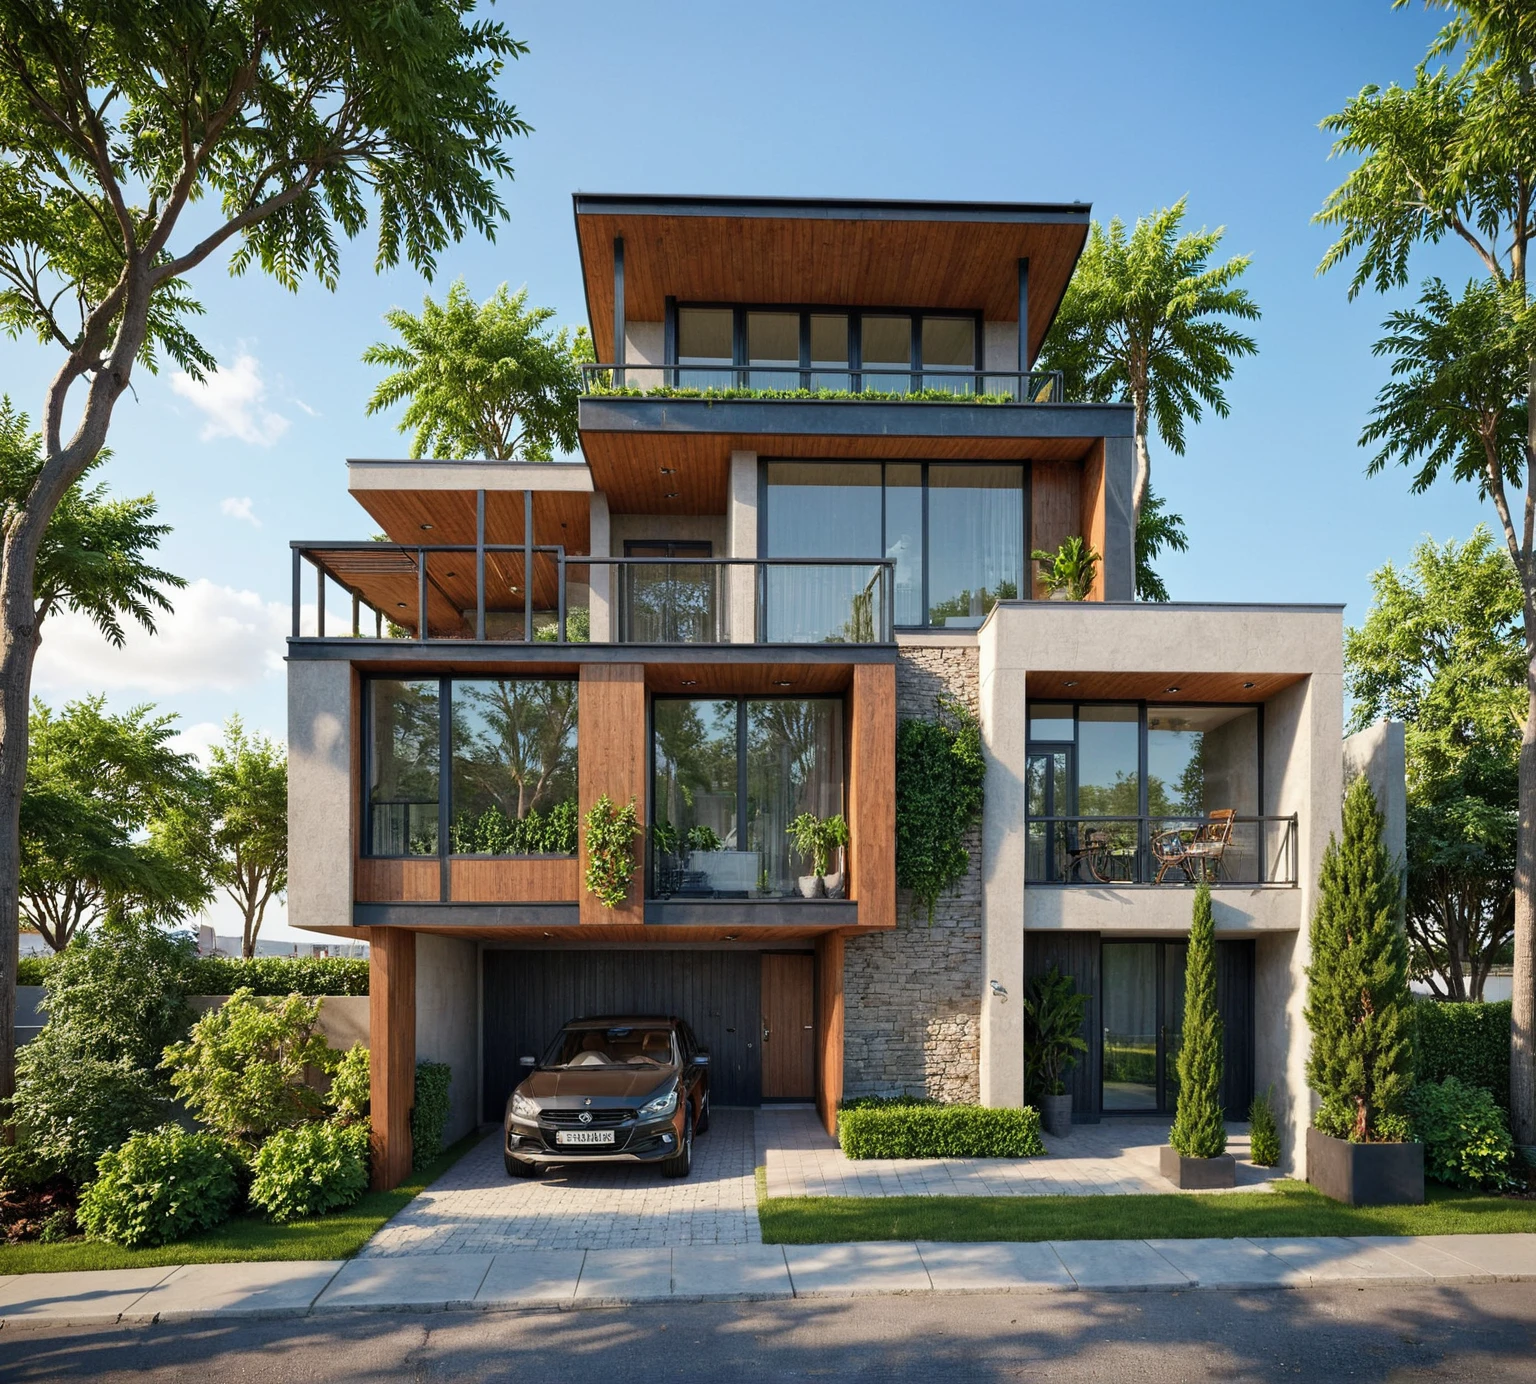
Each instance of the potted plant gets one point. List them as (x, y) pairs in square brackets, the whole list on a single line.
[(1053, 1022), (1359, 1147), (835, 837), (809, 839), (1195, 1155), (1068, 573)]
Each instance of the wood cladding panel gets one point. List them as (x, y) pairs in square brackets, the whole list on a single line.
[(744, 679), (872, 794), (398, 881), (829, 1028), (1092, 523), (789, 1026), (1055, 509), (627, 465), (965, 265), (588, 938), (550, 880), (391, 1052), (559, 516), (612, 759), (1193, 687)]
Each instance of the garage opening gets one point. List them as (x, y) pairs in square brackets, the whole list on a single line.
[(729, 998)]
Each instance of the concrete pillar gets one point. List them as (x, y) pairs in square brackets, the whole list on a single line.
[(447, 998), (741, 525), (321, 803), (392, 1051), (1380, 753), (600, 601)]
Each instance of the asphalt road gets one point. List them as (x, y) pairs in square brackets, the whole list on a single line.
[(1486, 1332)]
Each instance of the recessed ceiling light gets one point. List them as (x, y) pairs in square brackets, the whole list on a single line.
[(690, 682), (670, 495), (782, 684), (1247, 684), (1070, 682), (426, 528), (450, 574), (668, 470), (1170, 689), (729, 937), (549, 934), (400, 604)]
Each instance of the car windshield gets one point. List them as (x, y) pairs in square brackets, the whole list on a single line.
[(620, 1046)]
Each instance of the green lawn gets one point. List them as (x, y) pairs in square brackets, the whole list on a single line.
[(1293, 1208), (337, 1236)]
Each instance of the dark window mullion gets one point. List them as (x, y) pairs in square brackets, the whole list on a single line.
[(444, 782), (805, 350), (741, 773), (917, 352), (855, 351)]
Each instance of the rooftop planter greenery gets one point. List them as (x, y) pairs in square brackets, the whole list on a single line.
[(866, 396)]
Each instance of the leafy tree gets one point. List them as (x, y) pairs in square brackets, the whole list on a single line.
[(1452, 157), (1199, 1127), (1156, 529), (492, 380), (290, 126), (1358, 1006), (1442, 651), (234, 830), (95, 782), (1144, 321)]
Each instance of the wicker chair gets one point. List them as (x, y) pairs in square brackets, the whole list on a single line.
[(1197, 851)]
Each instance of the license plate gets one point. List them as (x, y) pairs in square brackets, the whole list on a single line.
[(584, 1136)]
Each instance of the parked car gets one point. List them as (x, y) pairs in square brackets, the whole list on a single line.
[(611, 1090)]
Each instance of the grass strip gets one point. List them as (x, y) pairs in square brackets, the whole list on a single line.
[(1292, 1208), (337, 1236)]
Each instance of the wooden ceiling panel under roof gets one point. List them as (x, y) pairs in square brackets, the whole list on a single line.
[(559, 516), (749, 679), (628, 466), (1156, 687), (869, 255)]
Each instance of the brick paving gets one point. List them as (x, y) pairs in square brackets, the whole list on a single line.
[(476, 1208), (1114, 1156)]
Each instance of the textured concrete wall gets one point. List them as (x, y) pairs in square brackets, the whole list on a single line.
[(676, 528), (319, 794), (912, 996), (447, 1021), (1380, 753)]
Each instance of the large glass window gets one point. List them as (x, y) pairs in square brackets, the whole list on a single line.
[(404, 772), (949, 345), (1108, 761), (886, 354), (975, 541), (514, 766), (829, 351), (1205, 759), (706, 338), (904, 539), (781, 756), (773, 339)]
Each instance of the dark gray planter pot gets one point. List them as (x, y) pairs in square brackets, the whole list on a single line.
[(1056, 1115), (1197, 1174), (1365, 1174)]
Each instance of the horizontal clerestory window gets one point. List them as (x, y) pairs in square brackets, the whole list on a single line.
[(506, 751)]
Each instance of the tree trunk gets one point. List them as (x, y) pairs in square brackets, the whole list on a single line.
[(1143, 475), (1522, 1029)]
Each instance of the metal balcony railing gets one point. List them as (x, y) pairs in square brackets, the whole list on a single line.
[(878, 383), (1114, 851), (540, 593)]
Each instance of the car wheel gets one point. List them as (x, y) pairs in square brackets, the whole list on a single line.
[(703, 1116), (516, 1167), (680, 1166)]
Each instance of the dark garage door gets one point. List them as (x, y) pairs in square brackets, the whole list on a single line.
[(530, 994)]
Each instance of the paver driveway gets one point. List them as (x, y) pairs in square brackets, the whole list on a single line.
[(476, 1208)]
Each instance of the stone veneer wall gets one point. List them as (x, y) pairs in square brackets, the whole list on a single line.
[(912, 997)]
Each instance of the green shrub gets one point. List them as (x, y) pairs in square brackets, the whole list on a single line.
[(242, 1070), (939, 1131), (310, 1169), (32, 970), (429, 1112), (1466, 1141), (280, 975), (1467, 1041), (1263, 1132), (351, 1084), (160, 1186)]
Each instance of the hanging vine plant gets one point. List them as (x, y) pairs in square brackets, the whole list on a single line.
[(940, 780), (610, 831)]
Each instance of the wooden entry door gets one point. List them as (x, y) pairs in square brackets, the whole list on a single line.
[(789, 1027)]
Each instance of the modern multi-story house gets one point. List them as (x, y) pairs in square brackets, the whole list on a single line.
[(815, 462)]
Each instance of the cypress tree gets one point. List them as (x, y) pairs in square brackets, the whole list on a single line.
[(1358, 1005), (1199, 1130)]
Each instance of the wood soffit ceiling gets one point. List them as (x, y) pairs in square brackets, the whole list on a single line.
[(965, 265), (1154, 687)]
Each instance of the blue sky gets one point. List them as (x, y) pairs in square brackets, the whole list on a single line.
[(1128, 106)]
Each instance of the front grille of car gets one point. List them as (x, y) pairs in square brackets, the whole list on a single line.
[(572, 1119)]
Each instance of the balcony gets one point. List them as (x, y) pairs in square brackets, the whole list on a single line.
[(1125, 852), (821, 384), (538, 593)]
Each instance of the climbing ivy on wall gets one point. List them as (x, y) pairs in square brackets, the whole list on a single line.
[(940, 778)]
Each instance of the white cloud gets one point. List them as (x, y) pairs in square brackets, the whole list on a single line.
[(197, 740), (218, 639), (233, 401), (240, 508)]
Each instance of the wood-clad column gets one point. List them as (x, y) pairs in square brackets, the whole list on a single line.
[(829, 1027), (1091, 497), (610, 746), (391, 1050), (872, 794)]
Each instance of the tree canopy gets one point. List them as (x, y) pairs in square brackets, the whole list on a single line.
[(491, 380)]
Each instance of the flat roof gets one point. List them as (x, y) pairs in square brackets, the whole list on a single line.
[(826, 208)]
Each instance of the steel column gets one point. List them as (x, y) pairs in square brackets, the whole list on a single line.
[(618, 309), (480, 565), (527, 566)]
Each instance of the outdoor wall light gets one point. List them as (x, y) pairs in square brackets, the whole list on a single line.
[(999, 990)]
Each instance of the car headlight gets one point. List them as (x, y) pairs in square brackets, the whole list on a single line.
[(524, 1108), (662, 1105)]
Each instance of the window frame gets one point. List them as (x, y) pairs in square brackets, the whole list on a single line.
[(445, 682), (1026, 580)]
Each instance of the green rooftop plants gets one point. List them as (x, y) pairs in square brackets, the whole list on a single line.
[(1199, 1131), (611, 832), (600, 385), (1068, 574)]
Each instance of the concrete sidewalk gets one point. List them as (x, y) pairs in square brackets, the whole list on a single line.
[(563, 1279)]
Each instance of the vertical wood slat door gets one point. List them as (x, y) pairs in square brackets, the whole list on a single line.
[(789, 1026)]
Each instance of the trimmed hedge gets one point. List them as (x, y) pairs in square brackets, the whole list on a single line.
[(429, 1112), (1467, 1041), (939, 1131), (883, 1102), (279, 975)]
